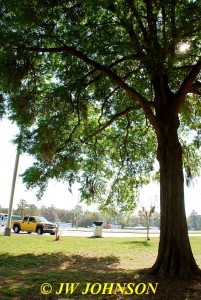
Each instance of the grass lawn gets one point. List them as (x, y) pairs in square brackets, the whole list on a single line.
[(29, 261)]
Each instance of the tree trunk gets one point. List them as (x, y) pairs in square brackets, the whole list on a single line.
[(175, 256)]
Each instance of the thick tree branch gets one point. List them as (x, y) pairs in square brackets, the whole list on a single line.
[(133, 37), (127, 25), (173, 27), (187, 86), (140, 23), (115, 78), (195, 88), (184, 67), (196, 93), (151, 22), (136, 97), (190, 78), (119, 61), (163, 4)]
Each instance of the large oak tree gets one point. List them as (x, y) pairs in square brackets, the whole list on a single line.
[(99, 88)]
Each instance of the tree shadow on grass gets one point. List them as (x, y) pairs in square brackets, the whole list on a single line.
[(139, 243), (22, 276)]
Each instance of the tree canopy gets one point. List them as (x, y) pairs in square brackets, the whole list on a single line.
[(102, 88)]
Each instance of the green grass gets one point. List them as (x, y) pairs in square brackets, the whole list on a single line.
[(28, 261)]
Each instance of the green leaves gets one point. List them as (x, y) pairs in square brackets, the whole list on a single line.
[(2, 106), (82, 79)]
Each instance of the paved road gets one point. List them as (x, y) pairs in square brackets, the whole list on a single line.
[(89, 233), (113, 233), (105, 233)]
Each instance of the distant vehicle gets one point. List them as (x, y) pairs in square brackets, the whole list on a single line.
[(154, 228), (34, 224), (4, 218), (139, 227), (111, 226), (63, 224)]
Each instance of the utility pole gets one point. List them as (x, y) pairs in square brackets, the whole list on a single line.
[(7, 231), (77, 211)]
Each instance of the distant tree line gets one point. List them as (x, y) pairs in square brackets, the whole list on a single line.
[(85, 218), (194, 221)]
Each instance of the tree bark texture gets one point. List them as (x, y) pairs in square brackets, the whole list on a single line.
[(175, 256)]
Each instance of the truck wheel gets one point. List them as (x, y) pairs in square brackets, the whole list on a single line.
[(52, 232), (16, 228), (39, 230)]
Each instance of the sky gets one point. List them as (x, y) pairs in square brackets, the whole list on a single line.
[(57, 194)]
